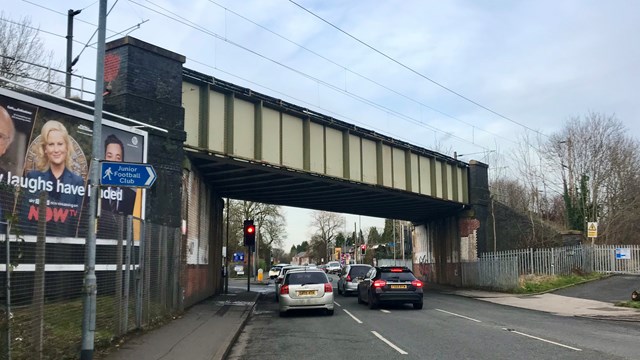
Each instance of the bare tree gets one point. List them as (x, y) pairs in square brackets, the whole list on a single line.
[(600, 164), (268, 219), (327, 226), (24, 57)]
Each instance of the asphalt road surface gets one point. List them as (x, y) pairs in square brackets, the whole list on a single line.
[(448, 327), (611, 289)]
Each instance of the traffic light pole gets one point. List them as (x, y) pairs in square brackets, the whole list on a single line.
[(249, 269)]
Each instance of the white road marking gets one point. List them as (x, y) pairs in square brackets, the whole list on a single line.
[(541, 339), (353, 317), (385, 311), (390, 343), (335, 302), (462, 316)]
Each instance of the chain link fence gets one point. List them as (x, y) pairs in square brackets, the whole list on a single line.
[(41, 309)]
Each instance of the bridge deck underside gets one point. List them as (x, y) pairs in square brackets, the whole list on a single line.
[(259, 182)]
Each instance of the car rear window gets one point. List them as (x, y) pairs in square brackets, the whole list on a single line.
[(397, 276), (298, 278), (284, 271), (358, 271)]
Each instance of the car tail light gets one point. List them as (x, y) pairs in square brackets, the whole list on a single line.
[(379, 283), (284, 289), (396, 270), (348, 277), (328, 288), (417, 283)]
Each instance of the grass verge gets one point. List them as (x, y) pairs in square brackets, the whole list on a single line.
[(533, 284)]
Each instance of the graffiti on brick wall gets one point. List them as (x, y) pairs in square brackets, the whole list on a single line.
[(424, 266)]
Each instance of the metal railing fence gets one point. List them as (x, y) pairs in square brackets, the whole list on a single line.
[(137, 270), (52, 79), (501, 270), (395, 262), (495, 274)]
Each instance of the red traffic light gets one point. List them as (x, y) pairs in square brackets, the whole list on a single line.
[(363, 247), (249, 233)]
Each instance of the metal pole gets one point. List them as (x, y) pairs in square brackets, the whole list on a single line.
[(248, 268), (67, 83), (127, 273), (90, 287), (403, 240), (8, 289), (226, 258), (393, 226), (256, 258)]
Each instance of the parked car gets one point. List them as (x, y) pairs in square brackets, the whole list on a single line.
[(333, 267), (390, 284), (350, 277), (275, 270), (305, 289), (283, 272)]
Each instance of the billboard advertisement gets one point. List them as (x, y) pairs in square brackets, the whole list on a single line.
[(45, 155)]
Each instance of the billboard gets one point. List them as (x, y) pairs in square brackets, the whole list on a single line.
[(45, 155)]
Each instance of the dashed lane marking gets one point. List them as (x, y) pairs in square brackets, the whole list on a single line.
[(458, 315), (390, 343), (353, 317), (541, 339), (385, 311)]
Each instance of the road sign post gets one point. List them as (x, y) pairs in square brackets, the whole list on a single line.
[(127, 174), (592, 231)]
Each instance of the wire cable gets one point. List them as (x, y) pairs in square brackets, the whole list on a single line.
[(189, 23), (414, 71), (358, 74)]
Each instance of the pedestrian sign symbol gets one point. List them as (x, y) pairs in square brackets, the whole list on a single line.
[(592, 229)]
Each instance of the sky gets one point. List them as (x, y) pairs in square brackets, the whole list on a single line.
[(467, 77)]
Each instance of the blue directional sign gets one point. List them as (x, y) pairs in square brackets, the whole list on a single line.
[(127, 174), (237, 257)]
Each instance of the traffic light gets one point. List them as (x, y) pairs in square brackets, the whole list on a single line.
[(363, 248), (249, 233)]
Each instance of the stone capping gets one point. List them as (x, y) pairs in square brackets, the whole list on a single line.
[(478, 163), (129, 40)]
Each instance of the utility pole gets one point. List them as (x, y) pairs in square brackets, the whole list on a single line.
[(226, 258), (67, 83), (90, 288), (403, 240), (393, 226)]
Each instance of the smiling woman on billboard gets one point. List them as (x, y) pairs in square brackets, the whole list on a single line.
[(65, 189)]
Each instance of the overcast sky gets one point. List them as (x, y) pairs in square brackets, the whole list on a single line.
[(465, 76)]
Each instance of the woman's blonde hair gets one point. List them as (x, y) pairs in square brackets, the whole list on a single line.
[(43, 161)]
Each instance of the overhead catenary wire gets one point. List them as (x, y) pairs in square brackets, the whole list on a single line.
[(186, 22), (415, 71), (345, 68), (344, 91)]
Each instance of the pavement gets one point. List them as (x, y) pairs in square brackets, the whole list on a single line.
[(552, 303), (206, 330), (209, 329)]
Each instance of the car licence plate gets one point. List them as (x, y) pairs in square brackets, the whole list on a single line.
[(306, 292), (398, 286)]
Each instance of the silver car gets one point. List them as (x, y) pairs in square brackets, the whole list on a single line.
[(306, 289), (350, 276), (280, 278), (333, 267)]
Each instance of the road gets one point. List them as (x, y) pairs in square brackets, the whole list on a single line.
[(449, 327)]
